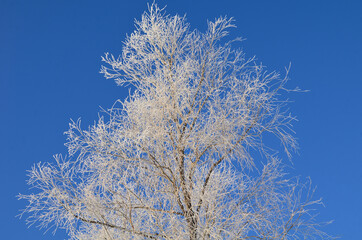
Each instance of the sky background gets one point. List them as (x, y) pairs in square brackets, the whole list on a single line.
[(50, 56)]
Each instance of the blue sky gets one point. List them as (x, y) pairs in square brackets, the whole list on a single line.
[(49, 73)]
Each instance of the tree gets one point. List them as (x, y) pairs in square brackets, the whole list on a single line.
[(177, 158)]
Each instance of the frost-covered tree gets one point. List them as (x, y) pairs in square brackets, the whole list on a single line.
[(178, 159)]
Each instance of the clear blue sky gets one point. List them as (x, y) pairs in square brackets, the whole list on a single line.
[(49, 72)]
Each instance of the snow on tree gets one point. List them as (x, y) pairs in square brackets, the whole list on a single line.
[(176, 159)]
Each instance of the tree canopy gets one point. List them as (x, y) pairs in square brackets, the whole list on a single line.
[(175, 159)]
